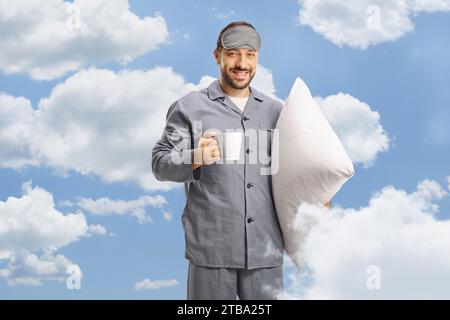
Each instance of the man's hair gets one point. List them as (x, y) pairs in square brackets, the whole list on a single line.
[(230, 25)]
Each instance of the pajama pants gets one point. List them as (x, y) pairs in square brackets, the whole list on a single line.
[(211, 283)]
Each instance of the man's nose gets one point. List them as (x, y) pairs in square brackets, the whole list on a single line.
[(241, 62)]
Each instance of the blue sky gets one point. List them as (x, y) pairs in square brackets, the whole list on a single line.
[(405, 80)]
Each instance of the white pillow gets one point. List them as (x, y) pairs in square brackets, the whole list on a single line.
[(312, 164)]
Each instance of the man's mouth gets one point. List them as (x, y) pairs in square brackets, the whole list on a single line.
[(239, 74)]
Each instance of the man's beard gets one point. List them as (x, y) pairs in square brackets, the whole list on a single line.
[(234, 84)]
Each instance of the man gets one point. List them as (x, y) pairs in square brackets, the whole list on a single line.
[(233, 239)]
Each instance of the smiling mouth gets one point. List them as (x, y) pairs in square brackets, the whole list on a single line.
[(239, 74)]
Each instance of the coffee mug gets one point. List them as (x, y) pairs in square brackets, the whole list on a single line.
[(230, 144)]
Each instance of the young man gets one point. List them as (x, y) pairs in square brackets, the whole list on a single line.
[(233, 239)]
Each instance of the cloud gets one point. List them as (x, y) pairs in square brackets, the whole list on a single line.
[(148, 284), (360, 24), (97, 229), (429, 5), (31, 224), (136, 208), (16, 130), (357, 125), (48, 39), (263, 82), (30, 270), (223, 15), (167, 216), (400, 234)]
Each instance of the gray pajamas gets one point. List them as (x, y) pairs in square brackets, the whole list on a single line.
[(229, 217), (206, 283)]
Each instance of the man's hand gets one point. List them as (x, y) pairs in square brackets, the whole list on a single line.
[(328, 204), (207, 151)]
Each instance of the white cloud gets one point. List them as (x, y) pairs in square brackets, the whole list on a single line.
[(30, 270), (148, 284), (167, 216), (47, 39), (31, 224), (16, 130), (97, 229), (225, 15), (398, 232), (360, 24), (358, 127), (263, 81), (136, 208), (222, 15), (429, 5)]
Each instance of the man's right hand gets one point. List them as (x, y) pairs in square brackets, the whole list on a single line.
[(207, 151)]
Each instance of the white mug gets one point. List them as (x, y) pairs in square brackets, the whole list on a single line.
[(233, 144), (230, 144)]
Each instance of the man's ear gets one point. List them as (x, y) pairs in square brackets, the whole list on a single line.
[(216, 54)]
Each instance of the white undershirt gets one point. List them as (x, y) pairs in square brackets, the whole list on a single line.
[(239, 102)]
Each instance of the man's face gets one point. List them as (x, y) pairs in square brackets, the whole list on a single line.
[(237, 66)]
